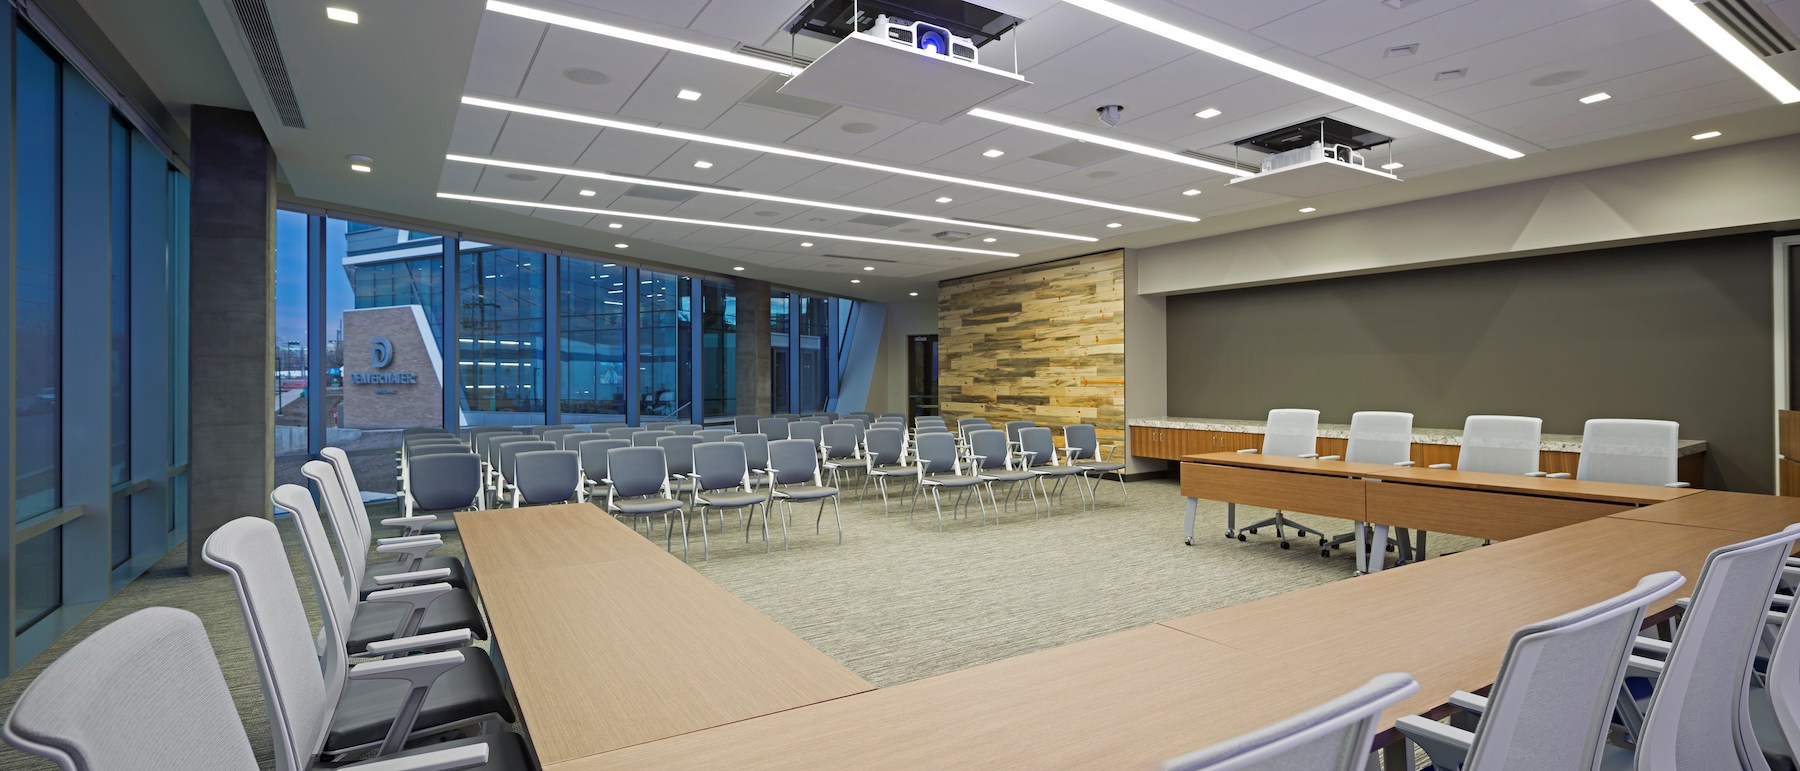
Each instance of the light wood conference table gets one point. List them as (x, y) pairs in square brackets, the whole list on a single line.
[(610, 641)]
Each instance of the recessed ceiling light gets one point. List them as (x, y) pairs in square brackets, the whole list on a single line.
[(989, 240), (1592, 98), (688, 95), (1398, 51), (639, 36), (621, 246), (364, 168), (912, 294), (737, 267), (614, 225), (716, 224), (1119, 13), (994, 153), (944, 199), (856, 281), (1208, 113), (1115, 224), (689, 136), (868, 267), (1707, 135), (1392, 166), (702, 164), (1451, 74), (1308, 210), (806, 244), (1740, 56), (588, 193), (344, 15), (1191, 191), (1102, 139)]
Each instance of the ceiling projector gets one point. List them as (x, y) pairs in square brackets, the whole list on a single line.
[(923, 37)]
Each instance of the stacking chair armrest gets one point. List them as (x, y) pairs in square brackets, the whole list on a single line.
[(422, 643), (1440, 466), (410, 539), (1314, 456), (1446, 745), (415, 525), (421, 672), (453, 759), (1676, 484), (413, 551), (1069, 454), (1331, 457), (1643, 666), (1251, 451), (1111, 450), (1469, 702), (1561, 475), (413, 577), (1536, 474), (416, 598), (1652, 646), (1403, 463)]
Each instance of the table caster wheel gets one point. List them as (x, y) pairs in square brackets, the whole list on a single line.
[(1284, 544), (1240, 537)]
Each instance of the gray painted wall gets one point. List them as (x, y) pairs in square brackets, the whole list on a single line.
[(1678, 331)]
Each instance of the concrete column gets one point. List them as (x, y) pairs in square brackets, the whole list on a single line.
[(755, 386), (232, 301)]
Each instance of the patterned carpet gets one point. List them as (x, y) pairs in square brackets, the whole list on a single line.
[(896, 602)]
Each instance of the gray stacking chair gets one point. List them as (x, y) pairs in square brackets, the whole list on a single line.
[(838, 449), (637, 485), (1375, 437), (892, 415), (756, 452), (659, 425), (714, 434), (497, 445), (420, 601), (788, 416), (684, 429), (961, 422), (809, 430), (1634, 452), (1013, 427), (1039, 452), (939, 469), (350, 524), (623, 432), (774, 428), (483, 443), (592, 455), (423, 445), (546, 476), (1288, 433), (443, 485), (1698, 714), (539, 430), (648, 438), (573, 439), (1082, 445), (320, 705), (993, 463), (884, 456), (745, 424), (105, 706), (556, 434), (1334, 736), (721, 471), (509, 455), (794, 476), (413, 454), (1551, 705), (680, 453)]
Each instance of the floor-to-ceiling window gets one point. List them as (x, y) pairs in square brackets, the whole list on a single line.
[(37, 319), (292, 232), (665, 348), (780, 353), (718, 349), (592, 348), (119, 302), (814, 320), (500, 334)]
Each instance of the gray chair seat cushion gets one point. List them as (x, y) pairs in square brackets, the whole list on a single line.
[(1101, 466), (459, 576), (730, 500), (368, 707), (1002, 475), (646, 505), (805, 492), (376, 621), (952, 480), (894, 470), (1055, 471)]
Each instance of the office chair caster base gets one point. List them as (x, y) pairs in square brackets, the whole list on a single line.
[(1284, 544), (1324, 552), (1240, 536)]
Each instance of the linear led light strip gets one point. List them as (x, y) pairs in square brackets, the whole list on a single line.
[(688, 136), (1205, 44), (1102, 139), (717, 224), (635, 36), (1741, 57), (753, 196)]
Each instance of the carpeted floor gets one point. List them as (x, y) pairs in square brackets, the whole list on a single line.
[(896, 602)]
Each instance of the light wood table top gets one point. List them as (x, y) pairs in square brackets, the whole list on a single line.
[(609, 641), (1336, 468), (1741, 512), (1524, 485), (1129, 700)]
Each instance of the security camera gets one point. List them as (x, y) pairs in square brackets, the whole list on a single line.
[(1109, 114)]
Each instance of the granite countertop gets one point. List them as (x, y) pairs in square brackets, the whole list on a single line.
[(1549, 442)]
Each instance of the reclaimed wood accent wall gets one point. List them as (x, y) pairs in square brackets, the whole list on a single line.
[(1044, 343)]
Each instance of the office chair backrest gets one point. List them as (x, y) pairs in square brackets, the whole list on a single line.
[(1334, 736), (509, 455), (648, 438), (794, 461), (420, 440), (1500, 444), (1291, 433), (1783, 681), (684, 429), (659, 425), (540, 429), (839, 440), (720, 465), (807, 429), (548, 476), (637, 471), (622, 432), (484, 440), (592, 454), (989, 447), (928, 420), (1638, 452), (788, 416), (295, 689), (773, 428), (1084, 439), (884, 445), (892, 415), (558, 433), (930, 428), (714, 434), (1552, 703), (1699, 714), (337, 603), (573, 439), (1014, 426), (745, 424), (963, 429), (440, 482), (756, 449), (936, 452), (960, 422), (680, 453), (421, 450), (105, 705), (861, 424), (1379, 437), (352, 492), (1038, 447), (498, 445), (353, 541)]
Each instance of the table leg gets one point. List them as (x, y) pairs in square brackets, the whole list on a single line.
[(1193, 507), (1397, 756), (1362, 552), (1378, 539)]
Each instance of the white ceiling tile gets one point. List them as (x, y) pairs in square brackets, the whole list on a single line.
[(1248, 15), (1335, 24), (504, 47), (1104, 59), (1441, 37), (770, 173), (578, 219), (749, 21), (829, 133), (720, 84), (746, 121), (532, 139), (1605, 71), (1632, 90), (673, 13), (627, 152), (923, 141), (475, 130), (624, 66), (1643, 114)]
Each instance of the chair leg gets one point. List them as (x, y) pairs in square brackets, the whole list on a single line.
[(819, 521), (940, 508), (705, 540), (838, 514), (914, 506)]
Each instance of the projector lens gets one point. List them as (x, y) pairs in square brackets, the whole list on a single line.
[(933, 39)]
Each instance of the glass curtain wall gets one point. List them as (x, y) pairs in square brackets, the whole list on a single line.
[(500, 335), (814, 354), (291, 346), (592, 347), (665, 347), (780, 354), (718, 349)]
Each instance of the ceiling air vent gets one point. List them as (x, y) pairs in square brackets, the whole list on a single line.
[(1747, 21), (879, 220), (770, 54), (259, 32), (659, 193), (768, 94), (859, 259)]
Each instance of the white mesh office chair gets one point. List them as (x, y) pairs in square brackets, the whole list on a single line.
[(105, 705), (1633, 452), (1775, 698), (1289, 433), (1375, 437), (1334, 736), (1552, 703), (1494, 444)]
